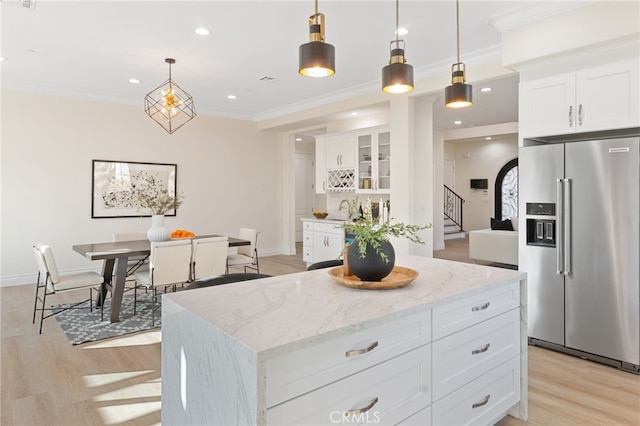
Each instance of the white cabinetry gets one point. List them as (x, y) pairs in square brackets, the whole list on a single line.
[(598, 98), (476, 358), (374, 161), (381, 374), (341, 151), (321, 241)]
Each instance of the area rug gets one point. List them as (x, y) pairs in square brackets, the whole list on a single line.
[(81, 325)]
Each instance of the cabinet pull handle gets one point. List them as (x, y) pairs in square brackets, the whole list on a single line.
[(484, 401), (479, 351), (481, 307), (356, 352), (570, 115), (580, 114), (364, 409)]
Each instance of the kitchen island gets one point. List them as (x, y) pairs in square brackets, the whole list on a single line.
[(449, 348)]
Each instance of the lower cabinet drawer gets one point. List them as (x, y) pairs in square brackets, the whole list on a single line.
[(455, 316), (307, 254), (467, 354), (421, 418), (386, 393), (300, 371), (484, 400)]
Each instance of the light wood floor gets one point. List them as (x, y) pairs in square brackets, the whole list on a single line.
[(46, 381)]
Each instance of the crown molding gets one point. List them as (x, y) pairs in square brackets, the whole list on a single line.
[(527, 14)]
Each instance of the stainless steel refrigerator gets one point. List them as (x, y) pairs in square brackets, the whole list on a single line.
[(581, 247)]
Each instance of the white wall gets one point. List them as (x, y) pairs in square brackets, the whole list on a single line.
[(480, 160), (228, 171)]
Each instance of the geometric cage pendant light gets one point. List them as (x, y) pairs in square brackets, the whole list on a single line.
[(397, 77), (169, 105), (459, 94), (316, 58)]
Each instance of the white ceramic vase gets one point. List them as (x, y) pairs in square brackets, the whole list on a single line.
[(158, 232)]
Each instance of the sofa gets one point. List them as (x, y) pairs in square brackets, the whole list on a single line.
[(494, 245)]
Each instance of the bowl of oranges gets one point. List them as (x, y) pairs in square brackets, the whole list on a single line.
[(180, 234)]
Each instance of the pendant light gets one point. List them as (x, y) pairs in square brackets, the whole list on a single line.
[(169, 105), (397, 77), (316, 58), (458, 95)]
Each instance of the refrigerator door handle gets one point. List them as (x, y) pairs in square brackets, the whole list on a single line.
[(560, 226), (567, 227)]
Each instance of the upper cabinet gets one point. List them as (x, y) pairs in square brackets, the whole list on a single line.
[(341, 151), (335, 162), (374, 161), (599, 98)]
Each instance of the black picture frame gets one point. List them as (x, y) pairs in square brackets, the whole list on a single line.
[(116, 185)]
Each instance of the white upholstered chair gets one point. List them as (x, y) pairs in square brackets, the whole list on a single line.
[(246, 256), (169, 265), (135, 262), (208, 257), (51, 282)]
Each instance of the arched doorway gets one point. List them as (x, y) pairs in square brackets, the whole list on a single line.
[(506, 190)]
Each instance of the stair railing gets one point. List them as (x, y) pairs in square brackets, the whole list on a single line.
[(453, 206)]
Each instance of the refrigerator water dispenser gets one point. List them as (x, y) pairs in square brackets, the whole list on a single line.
[(541, 231)]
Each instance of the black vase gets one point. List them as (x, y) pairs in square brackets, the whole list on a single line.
[(372, 267)]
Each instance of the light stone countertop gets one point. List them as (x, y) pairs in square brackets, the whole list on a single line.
[(325, 220), (282, 313)]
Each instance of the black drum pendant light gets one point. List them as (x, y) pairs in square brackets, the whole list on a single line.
[(458, 95), (317, 58), (169, 105), (397, 77)]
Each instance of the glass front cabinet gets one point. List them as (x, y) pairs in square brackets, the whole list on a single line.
[(374, 161)]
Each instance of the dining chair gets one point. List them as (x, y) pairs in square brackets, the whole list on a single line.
[(135, 262), (246, 256), (208, 257), (325, 264), (225, 279), (51, 282), (169, 265)]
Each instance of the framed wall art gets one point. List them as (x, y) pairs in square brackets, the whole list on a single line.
[(116, 187)]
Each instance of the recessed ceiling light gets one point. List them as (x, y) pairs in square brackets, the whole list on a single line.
[(298, 139), (202, 31), (402, 31), (488, 138), (134, 81), (354, 113), (2, 58), (231, 96), (457, 122), (485, 89)]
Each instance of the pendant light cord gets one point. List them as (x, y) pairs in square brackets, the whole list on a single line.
[(316, 7), (397, 20), (458, 29)]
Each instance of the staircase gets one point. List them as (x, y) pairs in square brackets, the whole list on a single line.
[(452, 215)]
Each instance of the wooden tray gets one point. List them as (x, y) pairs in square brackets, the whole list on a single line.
[(399, 277)]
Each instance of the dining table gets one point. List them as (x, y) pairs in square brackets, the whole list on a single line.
[(116, 256)]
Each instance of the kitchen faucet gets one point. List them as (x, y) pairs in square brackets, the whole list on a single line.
[(348, 207)]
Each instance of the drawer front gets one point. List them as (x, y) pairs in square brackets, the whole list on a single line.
[(307, 226), (455, 316), (297, 372), (307, 238), (307, 254), (384, 394), (482, 401), (421, 418), (461, 357), (331, 228)]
